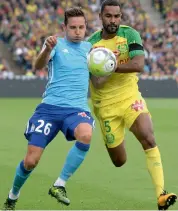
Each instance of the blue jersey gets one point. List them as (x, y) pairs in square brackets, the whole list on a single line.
[(68, 75)]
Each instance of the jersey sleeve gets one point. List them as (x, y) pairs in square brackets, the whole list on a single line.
[(95, 37), (134, 43)]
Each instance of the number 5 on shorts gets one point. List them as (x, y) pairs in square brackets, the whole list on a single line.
[(107, 126)]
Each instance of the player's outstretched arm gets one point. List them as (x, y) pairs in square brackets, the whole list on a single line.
[(98, 82), (44, 56), (136, 64)]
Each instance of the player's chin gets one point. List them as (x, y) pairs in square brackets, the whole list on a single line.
[(112, 30), (77, 39)]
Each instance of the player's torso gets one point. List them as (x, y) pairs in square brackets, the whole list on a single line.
[(116, 43), (119, 86), (68, 75)]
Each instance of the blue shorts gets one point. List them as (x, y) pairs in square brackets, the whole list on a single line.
[(48, 120)]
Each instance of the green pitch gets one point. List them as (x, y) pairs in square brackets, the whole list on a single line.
[(97, 185)]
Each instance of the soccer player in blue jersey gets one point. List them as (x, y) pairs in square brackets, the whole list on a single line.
[(64, 107)]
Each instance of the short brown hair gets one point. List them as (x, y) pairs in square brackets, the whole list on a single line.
[(73, 12)]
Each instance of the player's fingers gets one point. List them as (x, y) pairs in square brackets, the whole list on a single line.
[(117, 53), (51, 42), (48, 45), (54, 40)]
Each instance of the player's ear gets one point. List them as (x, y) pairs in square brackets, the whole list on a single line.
[(100, 16), (121, 15), (63, 26)]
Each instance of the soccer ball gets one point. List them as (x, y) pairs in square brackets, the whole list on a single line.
[(101, 62)]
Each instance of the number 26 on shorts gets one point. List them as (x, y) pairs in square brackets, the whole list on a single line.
[(46, 126)]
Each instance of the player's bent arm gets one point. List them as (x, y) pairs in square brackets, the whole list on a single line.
[(42, 59), (44, 56), (136, 64), (98, 82)]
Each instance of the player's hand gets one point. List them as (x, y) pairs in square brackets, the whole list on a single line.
[(51, 42), (117, 53)]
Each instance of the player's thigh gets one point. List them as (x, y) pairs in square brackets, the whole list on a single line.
[(112, 126), (41, 130), (113, 131), (78, 126), (142, 128), (134, 107), (138, 119)]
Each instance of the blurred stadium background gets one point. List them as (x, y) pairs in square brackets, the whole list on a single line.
[(24, 25)]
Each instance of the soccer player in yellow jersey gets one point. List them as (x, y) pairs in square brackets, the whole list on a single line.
[(117, 101)]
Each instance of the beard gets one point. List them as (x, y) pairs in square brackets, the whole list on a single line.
[(111, 29)]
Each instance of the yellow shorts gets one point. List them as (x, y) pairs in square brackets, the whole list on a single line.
[(115, 118)]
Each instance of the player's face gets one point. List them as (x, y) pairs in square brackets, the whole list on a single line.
[(111, 18), (75, 29)]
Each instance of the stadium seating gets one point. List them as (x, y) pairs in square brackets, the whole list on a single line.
[(25, 24)]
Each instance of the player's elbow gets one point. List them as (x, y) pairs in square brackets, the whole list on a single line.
[(99, 85), (99, 82), (41, 61), (138, 63), (139, 67), (38, 65)]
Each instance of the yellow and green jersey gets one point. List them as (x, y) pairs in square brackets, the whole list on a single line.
[(120, 86)]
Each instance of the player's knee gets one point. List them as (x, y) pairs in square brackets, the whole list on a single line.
[(83, 133), (119, 162), (30, 163), (148, 140), (85, 137)]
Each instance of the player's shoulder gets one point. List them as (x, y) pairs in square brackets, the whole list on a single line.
[(124, 29), (86, 44), (95, 37), (60, 40)]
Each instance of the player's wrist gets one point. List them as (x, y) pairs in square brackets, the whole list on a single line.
[(117, 70), (48, 49)]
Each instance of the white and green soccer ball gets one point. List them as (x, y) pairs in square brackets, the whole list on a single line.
[(101, 62)]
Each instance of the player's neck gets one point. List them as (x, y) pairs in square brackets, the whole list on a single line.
[(107, 36), (71, 42)]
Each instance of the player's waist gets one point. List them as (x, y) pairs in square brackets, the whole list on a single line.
[(54, 109), (118, 83), (63, 103), (118, 88), (102, 99)]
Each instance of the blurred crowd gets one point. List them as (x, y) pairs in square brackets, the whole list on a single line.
[(24, 25), (167, 8), (4, 68)]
